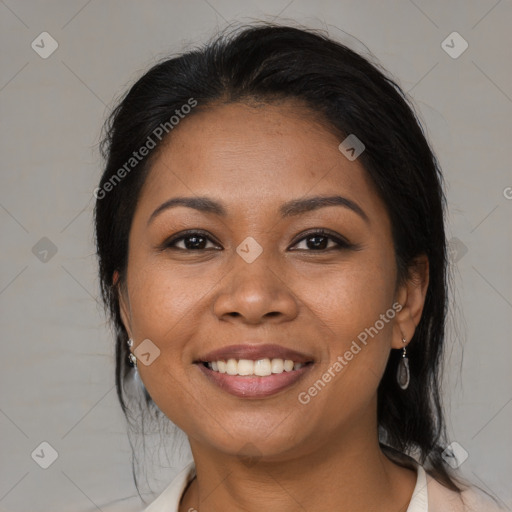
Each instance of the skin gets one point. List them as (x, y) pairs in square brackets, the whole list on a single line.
[(315, 457)]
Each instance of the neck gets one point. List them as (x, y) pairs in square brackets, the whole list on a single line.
[(350, 476)]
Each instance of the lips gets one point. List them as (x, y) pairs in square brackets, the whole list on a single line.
[(255, 352), (253, 386)]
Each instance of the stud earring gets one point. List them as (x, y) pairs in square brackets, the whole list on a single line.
[(132, 360), (403, 375)]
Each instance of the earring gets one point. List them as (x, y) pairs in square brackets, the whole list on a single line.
[(403, 375), (132, 360)]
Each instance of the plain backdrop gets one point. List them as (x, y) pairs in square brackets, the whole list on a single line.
[(57, 367)]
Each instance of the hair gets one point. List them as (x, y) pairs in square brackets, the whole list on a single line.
[(270, 63)]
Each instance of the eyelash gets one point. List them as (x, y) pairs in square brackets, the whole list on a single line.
[(341, 243)]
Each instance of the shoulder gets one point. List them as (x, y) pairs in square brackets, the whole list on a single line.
[(471, 499)]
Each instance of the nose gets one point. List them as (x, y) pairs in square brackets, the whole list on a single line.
[(255, 293)]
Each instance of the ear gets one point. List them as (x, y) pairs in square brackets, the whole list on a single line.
[(411, 296), (124, 304)]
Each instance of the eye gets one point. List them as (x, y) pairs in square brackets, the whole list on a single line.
[(321, 240), (190, 241)]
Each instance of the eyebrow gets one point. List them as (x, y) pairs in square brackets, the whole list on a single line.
[(289, 209)]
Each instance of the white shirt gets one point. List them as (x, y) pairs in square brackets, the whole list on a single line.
[(428, 495)]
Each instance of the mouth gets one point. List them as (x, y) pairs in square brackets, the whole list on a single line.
[(259, 368), (254, 379), (254, 371)]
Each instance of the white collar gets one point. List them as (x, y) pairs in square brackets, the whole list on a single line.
[(419, 500)]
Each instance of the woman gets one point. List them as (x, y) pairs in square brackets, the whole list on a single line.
[(272, 253)]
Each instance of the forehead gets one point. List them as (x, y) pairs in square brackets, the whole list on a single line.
[(255, 155)]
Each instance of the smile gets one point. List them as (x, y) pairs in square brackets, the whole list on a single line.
[(260, 368), (246, 378)]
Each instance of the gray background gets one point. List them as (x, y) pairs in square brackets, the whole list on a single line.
[(57, 367)]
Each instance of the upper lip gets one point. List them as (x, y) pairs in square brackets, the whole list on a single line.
[(255, 352)]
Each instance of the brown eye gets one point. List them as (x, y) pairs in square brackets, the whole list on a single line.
[(321, 240), (190, 241)]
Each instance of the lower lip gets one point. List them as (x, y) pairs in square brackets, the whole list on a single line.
[(254, 386)]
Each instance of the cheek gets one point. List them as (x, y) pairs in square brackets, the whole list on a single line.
[(164, 305), (352, 306), (350, 297), (357, 309), (163, 297)]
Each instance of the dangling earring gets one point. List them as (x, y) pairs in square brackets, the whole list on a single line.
[(403, 375), (132, 360)]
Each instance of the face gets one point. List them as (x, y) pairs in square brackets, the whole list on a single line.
[(251, 271)]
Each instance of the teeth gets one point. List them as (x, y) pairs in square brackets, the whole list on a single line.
[(262, 367), (277, 365), (247, 367), (232, 367)]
